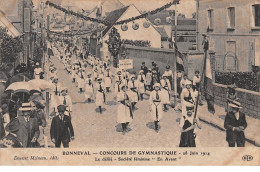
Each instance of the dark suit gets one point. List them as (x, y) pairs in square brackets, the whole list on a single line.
[(235, 136), (28, 131), (61, 130)]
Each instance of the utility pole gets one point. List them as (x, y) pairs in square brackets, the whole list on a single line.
[(176, 54), (197, 24)]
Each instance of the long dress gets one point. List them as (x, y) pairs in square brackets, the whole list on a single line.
[(108, 80), (187, 138), (100, 94), (133, 93), (156, 105), (89, 90), (141, 84), (124, 112), (166, 88)]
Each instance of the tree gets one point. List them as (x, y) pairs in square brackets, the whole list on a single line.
[(9, 47), (114, 44)]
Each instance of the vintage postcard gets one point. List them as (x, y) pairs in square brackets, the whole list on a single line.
[(129, 82)]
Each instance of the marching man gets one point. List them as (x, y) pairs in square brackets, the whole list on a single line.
[(124, 110), (156, 105), (100, 94)]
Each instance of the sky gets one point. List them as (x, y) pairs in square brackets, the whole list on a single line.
[(186, 7)]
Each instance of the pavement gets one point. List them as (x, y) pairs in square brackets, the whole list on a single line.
[(251, 132), (93, 129)]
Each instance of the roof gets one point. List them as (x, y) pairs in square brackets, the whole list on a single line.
[(163, 14), (14, 19), (113, 16), (5, 22), (162, 32)]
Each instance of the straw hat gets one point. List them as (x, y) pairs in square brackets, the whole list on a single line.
[(25, 107), (157, 85), (235, 104)]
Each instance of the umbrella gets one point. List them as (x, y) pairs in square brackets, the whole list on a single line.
[(18, 78), (22, 87), (41, 83)]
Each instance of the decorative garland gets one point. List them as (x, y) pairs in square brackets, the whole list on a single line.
[(117, 23), (148, 13), (70, 12)]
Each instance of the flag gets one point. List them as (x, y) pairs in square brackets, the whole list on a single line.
[(179, 57), (208, 86)]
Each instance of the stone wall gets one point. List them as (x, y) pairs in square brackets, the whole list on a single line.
[(250, 100), (162, 57)]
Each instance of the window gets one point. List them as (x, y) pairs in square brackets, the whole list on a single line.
[(256, 11), (231, 17), (210, 19)]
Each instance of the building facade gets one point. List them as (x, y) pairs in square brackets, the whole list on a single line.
[(150, 34), (233, 28)]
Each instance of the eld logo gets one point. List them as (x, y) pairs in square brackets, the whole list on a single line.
[(247, 158)]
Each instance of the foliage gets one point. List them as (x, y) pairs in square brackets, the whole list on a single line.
[(245, 80), (9, 47), (114, 42), (138, 43)]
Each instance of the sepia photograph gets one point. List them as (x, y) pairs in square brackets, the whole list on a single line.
[(129, 82)]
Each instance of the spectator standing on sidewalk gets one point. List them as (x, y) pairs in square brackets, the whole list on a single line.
[(235, 124), (61, 129), (230, 96)]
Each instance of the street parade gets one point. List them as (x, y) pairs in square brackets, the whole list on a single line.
[(77, 95)]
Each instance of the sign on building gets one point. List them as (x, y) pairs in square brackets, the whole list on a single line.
[(126, 64)]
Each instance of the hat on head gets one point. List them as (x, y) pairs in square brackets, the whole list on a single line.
[(132, 76), (37, 63), (141, 71), (188, 82), (61, 108), (13, 126), (188, 105), (99, 79), (64, 89), (235, 104), (168, 67), (204, 35), (164, 75), (25, 107), (157, 85), (124, 86), (232, 86)]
